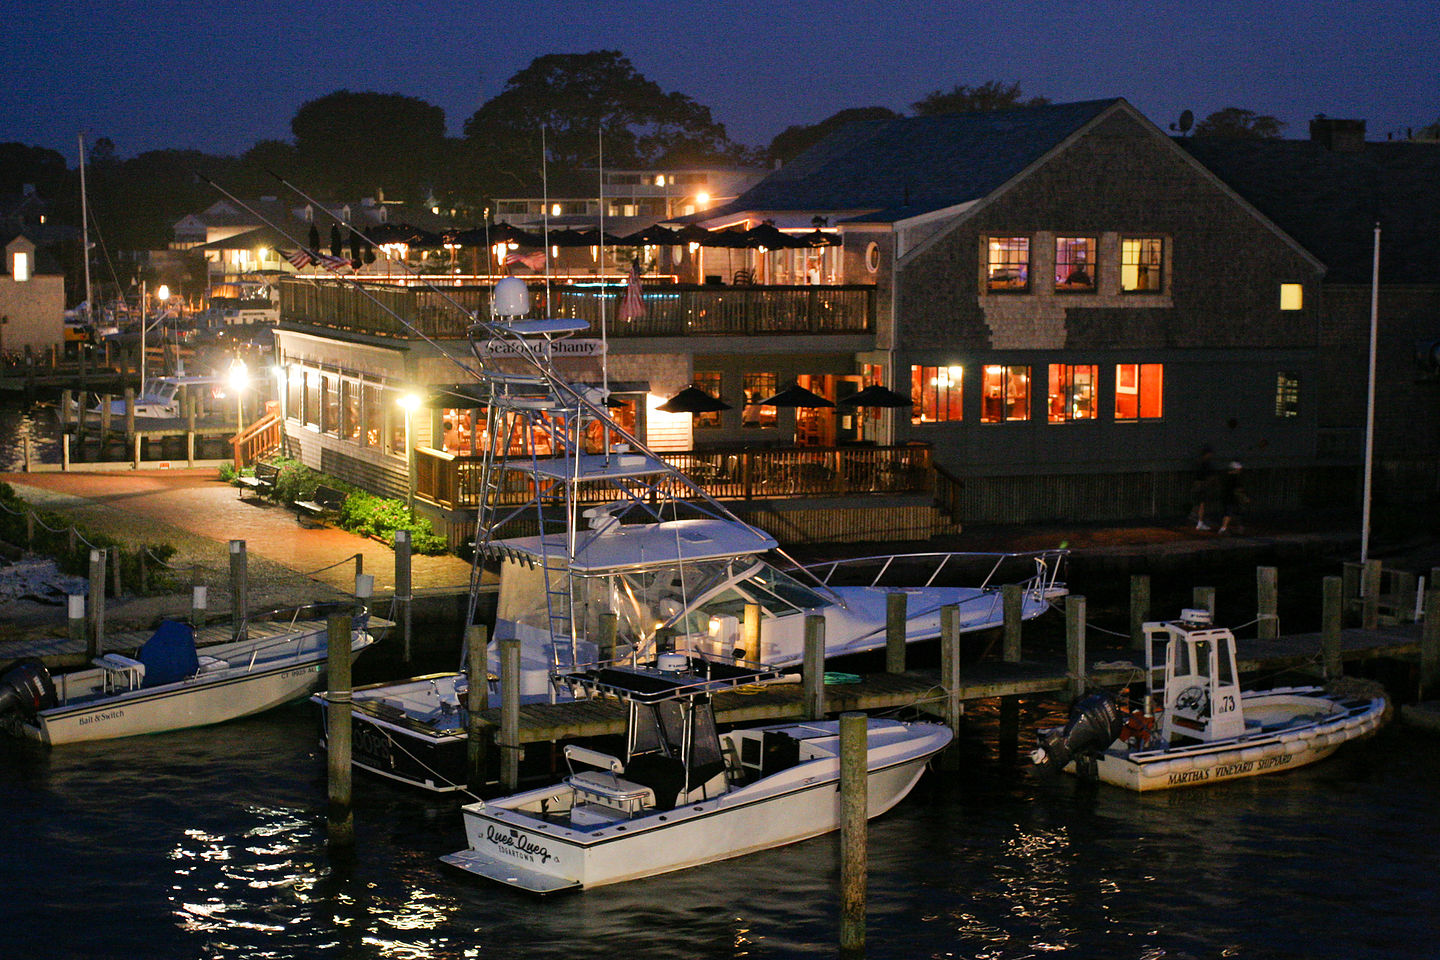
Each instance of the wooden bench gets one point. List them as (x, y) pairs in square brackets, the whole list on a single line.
[(263, 482), (323, 500)]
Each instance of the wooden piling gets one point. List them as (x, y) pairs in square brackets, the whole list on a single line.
[(1075, 644), (854, 832), (239, 591), (954, 707), (1267, 603), (114, 563), (64, 452), (814, 670), (105, 402), (403, 594), (1139, 609), (1331, 612), (1430, 644), (339, 814), (477, 701), (509, 738), (1370, 578), (750, 639), (1203, 598), (96, 595), (129, 396), (895, 620), (1013, 596)]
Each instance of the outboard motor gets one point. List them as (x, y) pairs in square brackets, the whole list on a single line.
[(26, 687), (1094, 724)]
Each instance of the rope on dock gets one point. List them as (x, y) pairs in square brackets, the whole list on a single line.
[(349, 559), (41, 521)]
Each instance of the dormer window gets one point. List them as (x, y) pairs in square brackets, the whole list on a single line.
[(1075, 264), (1008, 265), (20, 266)]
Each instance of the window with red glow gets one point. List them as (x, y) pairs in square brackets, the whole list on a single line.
[(1139, 391), (935, 392)]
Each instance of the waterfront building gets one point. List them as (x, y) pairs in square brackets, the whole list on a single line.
[(32, 298)]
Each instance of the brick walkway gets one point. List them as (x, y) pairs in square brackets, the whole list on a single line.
[(288, 562)]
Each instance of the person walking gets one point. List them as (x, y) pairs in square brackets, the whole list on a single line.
[(1232, 498), (1202, 487)]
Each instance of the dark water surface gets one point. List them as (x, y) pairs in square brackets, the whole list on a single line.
[(211, 843)]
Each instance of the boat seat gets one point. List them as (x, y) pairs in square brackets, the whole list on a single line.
[(121, 672), (605, 789)]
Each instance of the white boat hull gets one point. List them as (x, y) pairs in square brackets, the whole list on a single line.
[(513, 847), (210, 697), (1319, 725)]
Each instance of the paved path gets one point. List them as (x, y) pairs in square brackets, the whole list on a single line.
[(288, 563)]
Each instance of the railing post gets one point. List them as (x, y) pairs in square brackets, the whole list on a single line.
[(954, 707)]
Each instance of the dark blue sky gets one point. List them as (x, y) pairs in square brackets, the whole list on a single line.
[(219, 76)]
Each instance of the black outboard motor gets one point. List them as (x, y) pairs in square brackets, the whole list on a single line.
[(1094, 724), (26, 687)]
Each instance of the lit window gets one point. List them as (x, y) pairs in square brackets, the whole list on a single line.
[(1139, 391), (1072, 392), (709, 381), (1075, 264), (1004, 394), (22, 266), (935, 393), (1008, 267), (1141, 259), (1292, 296), (1287, 394), (759, 386)]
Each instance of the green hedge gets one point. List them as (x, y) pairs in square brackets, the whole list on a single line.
[(363, 513)]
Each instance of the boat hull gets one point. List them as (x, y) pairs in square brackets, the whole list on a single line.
[(398, 746), (195, 702), (1276, 747), (793, 805)]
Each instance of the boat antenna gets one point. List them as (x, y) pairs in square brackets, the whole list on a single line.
[(600, 269), (545, 208), (85, 236)]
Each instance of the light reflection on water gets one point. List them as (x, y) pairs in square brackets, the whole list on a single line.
[(211, 843)]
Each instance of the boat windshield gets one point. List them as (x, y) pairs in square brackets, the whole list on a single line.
[(777, 593)]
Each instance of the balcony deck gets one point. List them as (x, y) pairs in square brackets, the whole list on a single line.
[(671, 310), (453, 482)]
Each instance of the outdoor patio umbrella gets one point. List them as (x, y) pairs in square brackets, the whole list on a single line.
[(796, 396), (876, 395), (818, 238), (693, 400), (732, 237), (653, 235), (692, 233), (483, 236), (336, 249), (769, 236)]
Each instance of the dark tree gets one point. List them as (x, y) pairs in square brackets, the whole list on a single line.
[(36, 166), (356, 144), (1237, 123), (574, 98), (793, 141), (990, 95)]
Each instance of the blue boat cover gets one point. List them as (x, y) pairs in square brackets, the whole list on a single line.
[(170, 654)]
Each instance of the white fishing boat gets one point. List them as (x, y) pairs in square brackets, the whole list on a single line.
[(159, 397), (604, 550), (1196, 726), (169, 684), (683, 794)]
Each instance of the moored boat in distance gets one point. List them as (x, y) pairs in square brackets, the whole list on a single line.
[(170, 684), (1196, 726), (684, 794)]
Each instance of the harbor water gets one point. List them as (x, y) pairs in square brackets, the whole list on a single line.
[(211, 844)]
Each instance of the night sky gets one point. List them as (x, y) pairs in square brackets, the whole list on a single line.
[(219, 76)]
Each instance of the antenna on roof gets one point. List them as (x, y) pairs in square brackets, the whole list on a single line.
[(1183, 125)]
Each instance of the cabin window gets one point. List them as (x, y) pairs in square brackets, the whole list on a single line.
[(1141, 261), (710, 381), (759, 386), (1292, 296), (1287, 394), (1075, 264), (1225, 675), (1008, 265), (1004, 393), (372, 413), (1072, 392), (1139, 391), (935, 394)]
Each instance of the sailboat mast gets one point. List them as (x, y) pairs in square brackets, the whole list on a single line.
[(85, 234)]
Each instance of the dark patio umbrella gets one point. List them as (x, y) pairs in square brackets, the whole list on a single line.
[(355, 251), (314, 237), (796, 396), (693, 400), (692, 233), (769, 236), (876, 395), (336, 250), (483, 236), (383, 233), (580, 238), (818, 238), (733, 237), (653, 235)]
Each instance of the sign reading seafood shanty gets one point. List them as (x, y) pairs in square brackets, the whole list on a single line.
[(553, 349)]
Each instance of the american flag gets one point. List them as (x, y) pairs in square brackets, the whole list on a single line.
[(534, 260), (301, 258), (632, 307), (333, 264)]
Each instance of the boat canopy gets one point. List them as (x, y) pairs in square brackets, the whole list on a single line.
[(617, 547), (169, 655)]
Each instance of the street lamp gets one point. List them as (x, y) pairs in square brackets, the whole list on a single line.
[(409, 402), (238, 379)]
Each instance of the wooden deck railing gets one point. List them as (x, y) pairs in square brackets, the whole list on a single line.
[(260, 438), (454, 482), (671, 310)]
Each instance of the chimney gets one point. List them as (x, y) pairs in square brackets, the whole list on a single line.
[(1338, 136)]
